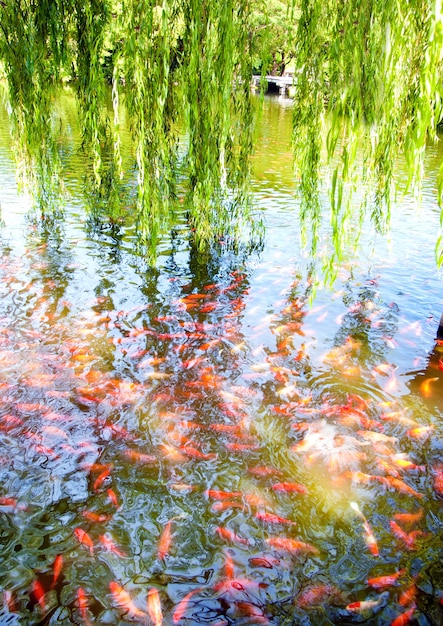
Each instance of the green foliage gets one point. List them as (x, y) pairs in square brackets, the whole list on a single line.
[(368, 77)]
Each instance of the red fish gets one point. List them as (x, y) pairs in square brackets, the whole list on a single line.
[(100, 478), (291, 545), (113, 497), (124, 601), (82, 604), (154, 607), (193, 452), (273, 519), (165, 541), (138, 457), (39, 595), (181, 607), (259, 561), (96, 518), (229, 535), (385, 581), (409, 518), (408, 596), (290, 488), (110, 545), (84, 539), (222, 495), (217, 507), (404, 618), (58, 565)]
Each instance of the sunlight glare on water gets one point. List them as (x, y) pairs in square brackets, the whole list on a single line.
[(196, 443)]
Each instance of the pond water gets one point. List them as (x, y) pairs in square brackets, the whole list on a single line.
[(207, 441)]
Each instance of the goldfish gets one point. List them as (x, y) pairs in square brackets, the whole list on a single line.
[(290, 488), (407, 538), (82, 603), (138, 457), (113, 497), (291, 545), (365, 606), (109, 544), (259, 561), (181, 607), (264, 471), (385, 581), (100, 478), (317, 595), (409, 518), (222, 495), (95, 518), (165, 540), (217, 507), (401, 486), (124, 601), (404, 618), (438, 481), (39, 595), (408, 596), (154, 607), (193, 452), (425, 387), (229, 535), (58, 565), (229, 566), (84, 539), (273, 519)]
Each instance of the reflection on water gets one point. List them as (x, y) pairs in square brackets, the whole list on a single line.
[(196, 444)]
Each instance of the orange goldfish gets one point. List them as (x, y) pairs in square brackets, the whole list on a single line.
[(385, 581), (109, 544), (229, 535), (58, 565), (409, 518), (154, 607), (290, 488), (165, 540), (82, 603), (124, 601), (291, 545), (84, 539), (273, 519), (404, 618), (39, 595), (181, 607)]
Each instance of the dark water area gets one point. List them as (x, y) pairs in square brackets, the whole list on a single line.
[(211, 440)]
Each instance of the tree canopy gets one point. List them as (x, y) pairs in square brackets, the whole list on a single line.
[(368, 74)]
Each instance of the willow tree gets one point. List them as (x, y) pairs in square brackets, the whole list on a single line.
[(368, 76), (369, 79)]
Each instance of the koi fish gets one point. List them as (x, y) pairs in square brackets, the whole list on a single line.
[(82, 604), (124, 600), (262, 471), (181, 607), (39, 595), (165, 540), (404, 618), (109, 544), (58, 565), (401, 486), (229, 535), (259, 561), (290, 488), (409, 518), (100, 478), (217, 507), (385, 581), (138, 457), (84, 539), (113, 497), (274, 519), (407, 538), (425, 387), (370, 539), (95, 518), (291, 545), (408, 596), (193, 452), (365, 606), (229, 566), (154, 607), (222, 495)]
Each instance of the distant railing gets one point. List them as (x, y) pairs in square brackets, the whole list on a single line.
[(282, 83)]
